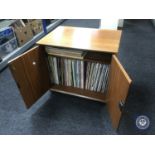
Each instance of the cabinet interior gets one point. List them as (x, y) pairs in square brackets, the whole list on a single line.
[(90, 57)]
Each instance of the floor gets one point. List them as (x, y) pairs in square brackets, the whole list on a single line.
[(52, 114), (62, 114), (137, 54)]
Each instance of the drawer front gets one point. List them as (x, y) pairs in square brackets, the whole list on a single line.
[(31, 74), (119, 83)]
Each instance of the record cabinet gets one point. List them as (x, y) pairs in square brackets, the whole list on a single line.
[(31, 70)]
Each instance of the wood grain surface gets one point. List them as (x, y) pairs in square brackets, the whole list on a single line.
[(83, 38)]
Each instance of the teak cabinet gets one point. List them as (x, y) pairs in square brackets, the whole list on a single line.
[(31, 69)]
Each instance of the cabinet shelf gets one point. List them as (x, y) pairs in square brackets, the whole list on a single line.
[(96, 96)]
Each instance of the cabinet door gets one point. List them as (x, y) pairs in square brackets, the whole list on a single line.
[(30, 72), (119, 83)]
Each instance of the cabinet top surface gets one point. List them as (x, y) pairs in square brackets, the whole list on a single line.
[(83, 38)]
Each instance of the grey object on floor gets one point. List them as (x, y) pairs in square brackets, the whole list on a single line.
[(53, 113)]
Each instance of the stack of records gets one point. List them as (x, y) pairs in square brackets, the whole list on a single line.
[(68, 53), (68, 68), (96, 77), (68, 72)]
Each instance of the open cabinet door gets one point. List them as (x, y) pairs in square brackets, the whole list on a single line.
[(119, 83), (30, 72)]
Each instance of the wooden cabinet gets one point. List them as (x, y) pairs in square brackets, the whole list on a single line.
[(31, 73)]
